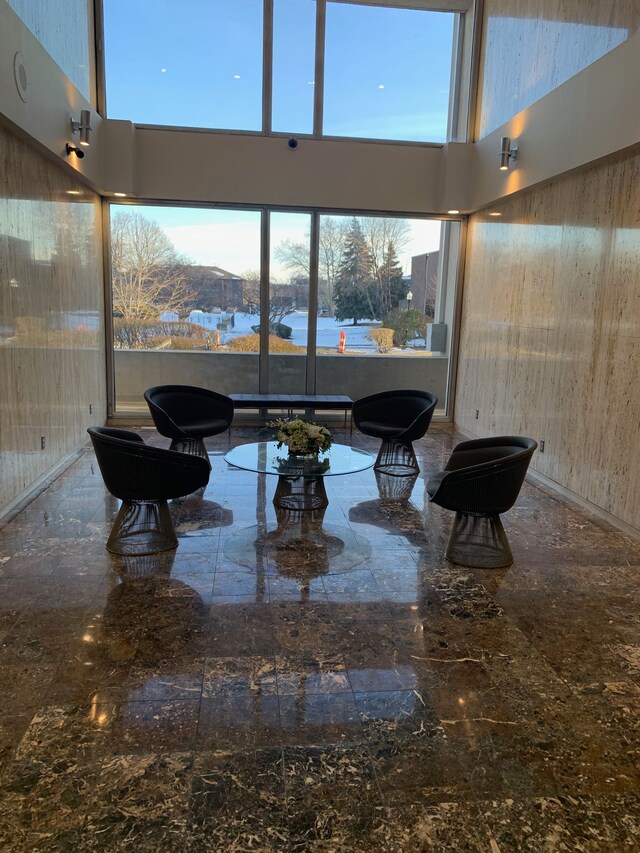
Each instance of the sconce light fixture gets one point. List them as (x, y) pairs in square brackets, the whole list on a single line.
[(507, 152), (73, 149), (83, 127)]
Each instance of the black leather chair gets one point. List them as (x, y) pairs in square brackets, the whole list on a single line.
[(187, 415), (481, 479), (144, 478), (398, 418)]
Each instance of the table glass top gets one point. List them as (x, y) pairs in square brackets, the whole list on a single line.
[(265, 457)]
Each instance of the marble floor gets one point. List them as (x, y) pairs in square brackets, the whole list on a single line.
[(337, 688)]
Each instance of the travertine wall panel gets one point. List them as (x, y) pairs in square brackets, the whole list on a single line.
[(530, 47), (65, 30), (52, 363), (550, 337)]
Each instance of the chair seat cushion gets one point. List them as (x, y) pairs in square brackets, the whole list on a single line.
[(202, 429), (379, 429)]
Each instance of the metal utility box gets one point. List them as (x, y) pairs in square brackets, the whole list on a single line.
[(436, 339)]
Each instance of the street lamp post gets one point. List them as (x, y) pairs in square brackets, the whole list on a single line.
[(409, 298)]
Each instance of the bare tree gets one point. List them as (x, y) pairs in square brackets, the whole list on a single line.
[(295, 257), (251, 291), (279, 305), (380, 231), (148, 274), (385, 237), (331, 245)]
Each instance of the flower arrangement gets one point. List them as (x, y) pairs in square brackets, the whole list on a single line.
[(302, 437)]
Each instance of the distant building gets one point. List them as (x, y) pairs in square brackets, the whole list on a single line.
[(424, 282), (213, 287)]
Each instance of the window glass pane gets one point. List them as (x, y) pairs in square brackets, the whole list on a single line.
[(289, 302), (293, 65), (186, 296), (379, 291), (387, 73), (70, 45), (193, 63)]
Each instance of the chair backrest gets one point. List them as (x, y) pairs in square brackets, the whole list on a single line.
[(484, 476), (173, 405), (132, 470), (407, 408)]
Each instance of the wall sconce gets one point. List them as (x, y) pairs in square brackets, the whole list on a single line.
[(83, 127), (73, 149), (507, 153)]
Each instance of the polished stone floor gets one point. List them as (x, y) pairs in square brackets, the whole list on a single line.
[(336, 686)]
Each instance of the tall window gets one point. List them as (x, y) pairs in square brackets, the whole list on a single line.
[(367, 303), (185, 281)]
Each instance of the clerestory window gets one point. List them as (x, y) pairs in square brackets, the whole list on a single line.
[(305, 67)]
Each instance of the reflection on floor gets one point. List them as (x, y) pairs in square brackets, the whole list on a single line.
[(365, 695)]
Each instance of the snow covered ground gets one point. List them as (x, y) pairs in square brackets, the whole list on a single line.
[(327, 334)]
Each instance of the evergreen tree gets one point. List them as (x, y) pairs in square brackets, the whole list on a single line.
[(391, 286), (355, 289)]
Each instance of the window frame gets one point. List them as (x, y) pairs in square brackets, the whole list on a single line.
[(460, 93)]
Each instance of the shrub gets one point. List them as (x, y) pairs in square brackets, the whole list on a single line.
[(382, 338), (191, 343), (251, 343), (279, 329), (139, 334), (406, 325)]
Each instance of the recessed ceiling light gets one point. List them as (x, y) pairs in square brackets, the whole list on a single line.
[(453, 212), (236, 76), (381, 86), (163, 70), (495, 213), (74, 192), (120, 195)]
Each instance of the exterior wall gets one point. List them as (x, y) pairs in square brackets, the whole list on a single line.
[(549, 342), (530, 47), (50, 282), (238, 372)]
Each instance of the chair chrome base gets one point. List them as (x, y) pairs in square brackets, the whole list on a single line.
[(142, 527), (479, 542), (193, 446), (396, 458), (300, 494)]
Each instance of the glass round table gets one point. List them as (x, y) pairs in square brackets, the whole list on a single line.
[(300, 478)]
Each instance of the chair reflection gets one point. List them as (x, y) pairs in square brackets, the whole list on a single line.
[(197, 516), (148, 606), (392, 510)]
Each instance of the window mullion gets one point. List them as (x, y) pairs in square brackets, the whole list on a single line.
[(314, 251), (265, 273), (318, 92), (267, 66)]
